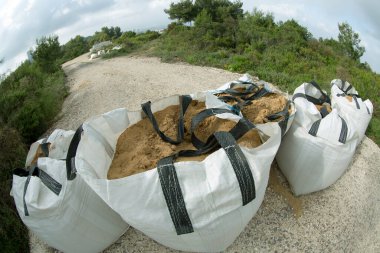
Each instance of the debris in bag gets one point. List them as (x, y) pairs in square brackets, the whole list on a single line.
[(139, 148)]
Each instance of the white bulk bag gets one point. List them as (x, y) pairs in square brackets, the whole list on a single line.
[(317, 150), (65, 213), (248, 79), (357, 112), (205, 213)]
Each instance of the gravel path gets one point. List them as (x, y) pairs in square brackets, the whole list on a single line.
[(343, 218)]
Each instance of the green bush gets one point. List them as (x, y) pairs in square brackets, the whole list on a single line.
[(13, 233), (240, 63), (30, 99), (47, 53), (29, 120), (74, 48), (30, 103)]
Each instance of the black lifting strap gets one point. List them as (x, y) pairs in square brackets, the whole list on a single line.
[(249, 88), (173, 196), (71, 153), (285, 117), (226, 99), (45, 147), (324, 98), (259, 94), (171, 187), (349, 87), (185, 101), (45, 178), (324, 112), (354, 97), (197, 119), (343, 132), (237, 131)]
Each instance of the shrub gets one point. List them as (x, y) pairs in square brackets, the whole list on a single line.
[(30, 100), (13, 233)]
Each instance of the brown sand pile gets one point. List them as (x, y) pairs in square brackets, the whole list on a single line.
[(263, 107), (139, 147), (349, 98), (274, 183), (39, 153), (328, 107)]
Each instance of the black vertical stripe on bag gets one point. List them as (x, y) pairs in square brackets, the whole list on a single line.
[(71, 153), (171, 187), (343, 132), (356, 102), (283, 123), (173, 196), (367, 109), (45, 147), (314, 128), (239, 164)]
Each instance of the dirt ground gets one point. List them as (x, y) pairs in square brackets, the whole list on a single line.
[(343, 218)]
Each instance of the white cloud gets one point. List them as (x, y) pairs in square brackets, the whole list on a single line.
[(159, 4), (282, 11), (22, 22)]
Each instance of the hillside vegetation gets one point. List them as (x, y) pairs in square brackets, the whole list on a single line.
[(219, 34), (31, 97)]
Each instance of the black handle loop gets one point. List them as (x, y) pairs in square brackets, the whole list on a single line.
[(229, 99), (324, 98), (171, 187), (45, 178), (349, 87), (248, 87), (184, 103), (237, 131), (239, 164), (324, 112), (45, 147), (240, 129), (284, 114), (343, 132), (197, 119), (259, 94), (173, 196), (71, 153)]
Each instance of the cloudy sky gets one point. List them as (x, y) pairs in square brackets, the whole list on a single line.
[(22, 21)]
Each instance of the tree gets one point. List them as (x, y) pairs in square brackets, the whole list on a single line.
[(112, 32), (2, 76), (47, 53), (74, 47), (350, 42), (184, 11), (105, 34), (219, 9), (187, 11), (257, 30)]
